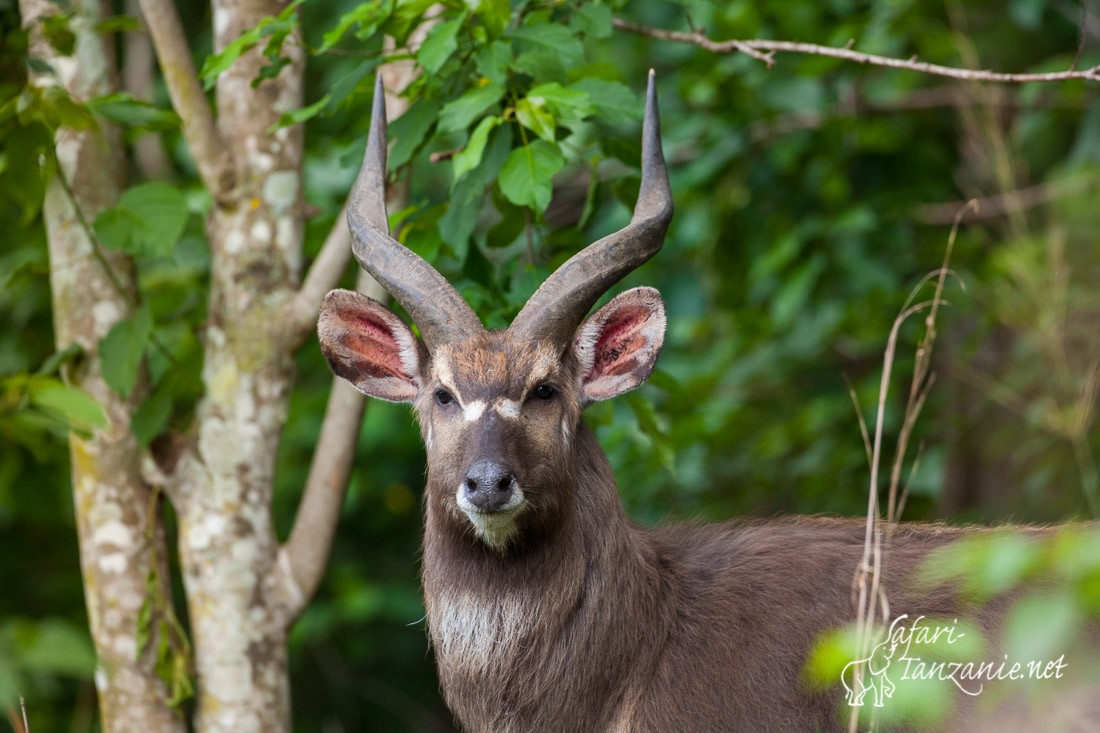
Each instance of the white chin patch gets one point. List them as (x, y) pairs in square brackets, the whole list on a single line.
[(493, 528)]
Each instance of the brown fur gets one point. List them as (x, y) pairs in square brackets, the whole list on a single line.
[(681, 628), (579, 620)]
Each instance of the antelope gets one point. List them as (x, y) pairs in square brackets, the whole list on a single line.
[(547, 608)]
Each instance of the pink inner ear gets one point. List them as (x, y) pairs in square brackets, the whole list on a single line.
[(374, 344), (619, 342)]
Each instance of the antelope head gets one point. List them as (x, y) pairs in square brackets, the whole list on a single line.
[(499, 410)]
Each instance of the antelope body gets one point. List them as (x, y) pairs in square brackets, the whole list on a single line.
[(548, 609)]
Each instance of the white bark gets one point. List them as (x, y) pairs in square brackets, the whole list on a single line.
[(111, 499), (227, 542)]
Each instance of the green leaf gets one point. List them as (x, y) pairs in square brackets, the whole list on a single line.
[(125, 109), (1043, 626), (534, 116), (368, 16), (53, 106), (74, 406), (28, 157), (470, 156), (557, 40), (276, 27), (649, 423), (493, 14), (792, 298), (115, 227), (409, 130), (218, 63), (144, 631), (467, 200), (420, 233), (58, 647), (563, 103), (349, 83), (55, 29), (440, 44), (407, 15), (122, 348), (147, 220), (119, 24), (538, 63), (458, 115), (286, 119), (593, 20), (70, 353), (492, 61), (343, 88), (615, 103), (527, 176), (150, 419)]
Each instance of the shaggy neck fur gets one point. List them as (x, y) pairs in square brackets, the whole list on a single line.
[(514, 635)]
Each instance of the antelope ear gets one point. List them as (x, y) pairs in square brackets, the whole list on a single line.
[(367, 344), (617, 346)]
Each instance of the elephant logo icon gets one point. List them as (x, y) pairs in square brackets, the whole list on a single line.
[(873, 677)]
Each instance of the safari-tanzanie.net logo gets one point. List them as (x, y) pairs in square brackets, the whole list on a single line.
[(901, 657)]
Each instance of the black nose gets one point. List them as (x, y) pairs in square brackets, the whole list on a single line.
[(488, 486)]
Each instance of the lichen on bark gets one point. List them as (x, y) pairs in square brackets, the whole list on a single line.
[(115, 538), (228, 546)]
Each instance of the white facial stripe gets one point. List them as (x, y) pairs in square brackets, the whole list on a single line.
[(545, 363), (565, 431), (473, 410), (443, 369), (507, 408)]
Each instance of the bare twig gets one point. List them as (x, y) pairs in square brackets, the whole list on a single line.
[(1002, 204), (944, 95), (765, 50), (302, 559), (1082, 35), (322, 277), (23, 709), (440, 155), (859, 415), (137, 76), (103, 259), (1068, 10), (867, 583), (305, 553), (211, 155)]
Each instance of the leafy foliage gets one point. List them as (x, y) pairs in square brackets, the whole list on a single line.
[(798, 234)]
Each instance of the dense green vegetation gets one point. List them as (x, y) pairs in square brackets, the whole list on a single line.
[(805, 217)]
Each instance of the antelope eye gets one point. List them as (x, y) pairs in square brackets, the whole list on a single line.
[(443, 397), (544, 391)]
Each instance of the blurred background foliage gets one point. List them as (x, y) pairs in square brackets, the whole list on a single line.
[(811, 198)]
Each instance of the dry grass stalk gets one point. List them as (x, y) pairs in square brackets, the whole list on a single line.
[(867, 587)]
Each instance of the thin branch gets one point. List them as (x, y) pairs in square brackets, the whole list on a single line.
[(1001, 204), (101, 258), (302, 559), (441, 155), (137, 76), (765, 50), (945, 95), (1070, 12), (1082, 35), (211, 155), (323, 275)]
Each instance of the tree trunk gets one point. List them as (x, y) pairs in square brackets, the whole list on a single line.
[(227, 541), (116, 552)]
